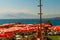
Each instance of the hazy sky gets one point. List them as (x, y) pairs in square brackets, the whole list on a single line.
[(21, 9)]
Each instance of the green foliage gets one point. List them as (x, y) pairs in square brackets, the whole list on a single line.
[(53, 37)]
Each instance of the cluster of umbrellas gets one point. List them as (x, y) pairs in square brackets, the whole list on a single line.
[(13, 28), (7, 30), (56, 28)]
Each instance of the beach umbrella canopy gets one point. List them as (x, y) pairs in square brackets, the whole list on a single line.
[(35, 25), (27, 28), (57, 28), (9, 34), (2, 30), (8, 25), (5, 24), (12, 29), (45, 25), (51, 28), (2, 34), (31, 28), (1, 26), (19, 25), (23, 30)]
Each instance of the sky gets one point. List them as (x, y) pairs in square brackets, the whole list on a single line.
[(28, 9)]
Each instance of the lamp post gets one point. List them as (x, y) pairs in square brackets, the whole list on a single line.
[(40, 12), (39, 35), (41, 18)]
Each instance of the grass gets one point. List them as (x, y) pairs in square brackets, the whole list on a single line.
[(54, 37)]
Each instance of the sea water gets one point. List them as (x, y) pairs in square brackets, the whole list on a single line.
[(29, 21)]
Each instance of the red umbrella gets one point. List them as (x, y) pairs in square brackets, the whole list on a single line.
[(9, 34), (51, 28), (27, 28), (19, 25), (6, 25), (2, 34), (2, 29), (31, 28), (35, 25), (45, 25), (12, 29), (24, 29), (1, 26)]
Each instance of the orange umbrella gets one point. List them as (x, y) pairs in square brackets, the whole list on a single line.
[(57, 28)]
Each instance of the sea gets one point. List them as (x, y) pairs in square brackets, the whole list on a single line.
[(30, 21)]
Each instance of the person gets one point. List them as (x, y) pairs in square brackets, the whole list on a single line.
[(46, 28), (48, 22), (18, 23)]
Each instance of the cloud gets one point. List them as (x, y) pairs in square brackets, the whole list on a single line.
[(18, 10), (13, 10), (26, 13), (18, 16), (52, 15), (47, 13), (15, 13)]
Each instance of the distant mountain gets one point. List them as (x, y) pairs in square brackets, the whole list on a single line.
[(52, 18), (57, 18)]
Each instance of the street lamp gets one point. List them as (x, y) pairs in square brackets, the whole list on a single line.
[(39, 35)]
